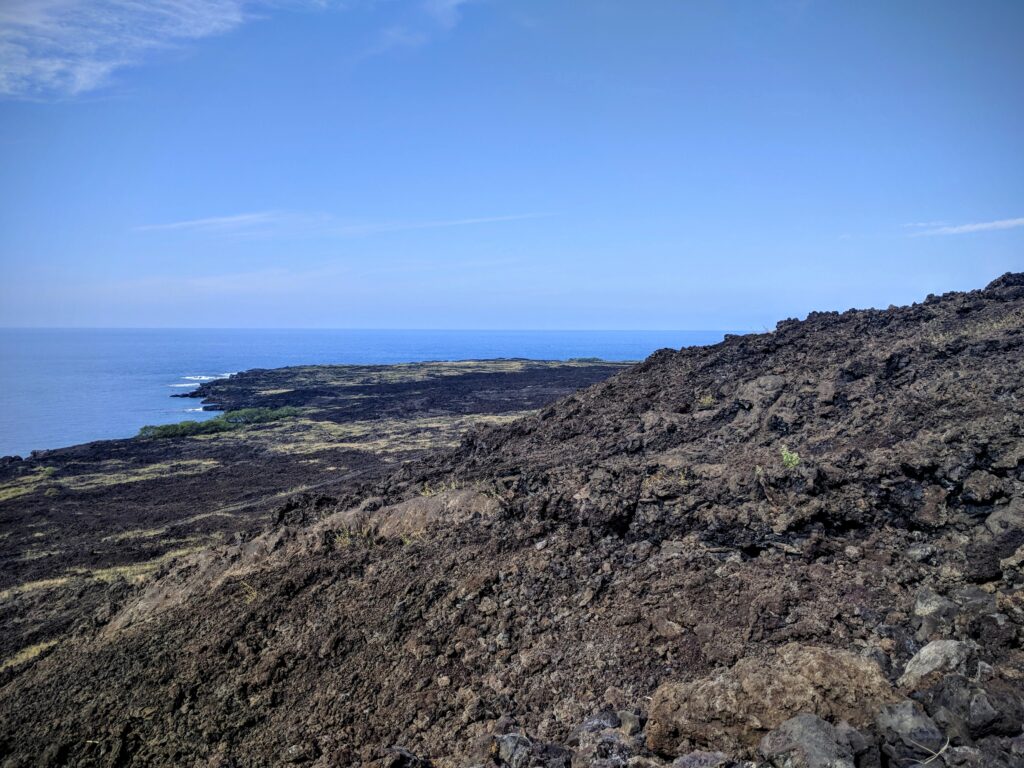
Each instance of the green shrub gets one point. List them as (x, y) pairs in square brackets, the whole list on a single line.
[(790, 459), (223, 423)]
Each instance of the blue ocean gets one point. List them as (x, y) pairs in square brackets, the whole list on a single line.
[(60, 387)]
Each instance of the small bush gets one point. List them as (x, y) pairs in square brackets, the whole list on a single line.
[(790, 459), (223, 423)]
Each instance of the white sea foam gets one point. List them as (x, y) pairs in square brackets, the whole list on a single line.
[(201, 378), (191, 384)]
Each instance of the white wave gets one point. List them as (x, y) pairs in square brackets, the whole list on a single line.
[(193, 410), (192, 384), (200, 378)]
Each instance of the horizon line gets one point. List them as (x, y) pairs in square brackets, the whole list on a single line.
[(339, 328)]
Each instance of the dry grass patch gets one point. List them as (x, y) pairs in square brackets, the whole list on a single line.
[(32, 586), (26, 484), (135, 571), (27, 654), (120, 473)]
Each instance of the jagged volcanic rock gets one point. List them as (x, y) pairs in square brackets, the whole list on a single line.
[(739, 548)]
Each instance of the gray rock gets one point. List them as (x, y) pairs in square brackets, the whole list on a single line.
[(302, 752), (975, 601), (936, 658), (921, 553), (600, 722), (630, 723), (908, 733), (982, 488), (970, 757), (933, 612), (513, 750), (973, 710), (401, 758), (806, 741), (608, 745), (1006, 519), (865, 752), (702, 759)]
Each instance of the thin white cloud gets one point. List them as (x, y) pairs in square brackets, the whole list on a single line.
[(445, 12), (219, 223), (60, 48), (924, 224), (982, 226), (68, 47), (369, 229), (427, 18), (283, 224)]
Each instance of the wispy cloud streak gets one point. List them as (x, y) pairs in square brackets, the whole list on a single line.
[(924, 224), (68, 47), (274, 224), (61, 48), (445, 12), (964, 229), (426, 19), (219, 223)]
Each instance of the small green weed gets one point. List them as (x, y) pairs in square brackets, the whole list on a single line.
[(790, 459)]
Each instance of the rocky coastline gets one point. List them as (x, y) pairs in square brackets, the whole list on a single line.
[(796, 549)]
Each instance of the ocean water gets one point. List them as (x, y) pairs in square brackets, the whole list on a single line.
[(61, 387)]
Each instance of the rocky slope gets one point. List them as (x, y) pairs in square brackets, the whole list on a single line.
[(78, 523), (800, 548)]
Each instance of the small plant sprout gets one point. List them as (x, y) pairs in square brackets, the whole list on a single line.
[(251, 593), (706, 401), (790, 459)]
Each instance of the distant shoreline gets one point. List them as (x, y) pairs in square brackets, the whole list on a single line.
[(50, 378)]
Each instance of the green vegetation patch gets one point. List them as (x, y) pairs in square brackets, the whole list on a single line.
[(790, 459), (226, 422)]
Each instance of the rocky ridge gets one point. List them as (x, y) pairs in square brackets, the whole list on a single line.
[(799, 548)]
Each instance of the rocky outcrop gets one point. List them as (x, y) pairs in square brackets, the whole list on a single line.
[(731, 710), (799, 548)]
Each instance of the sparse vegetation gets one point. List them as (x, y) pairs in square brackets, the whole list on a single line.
[(26, 484), (790, 459), (223, 423), (433, 490), (706, 401), (251, 593), (27, 654), (347, 537), (115, 472)]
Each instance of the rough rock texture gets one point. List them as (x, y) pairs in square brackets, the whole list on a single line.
[(776, 525), (734, 708), (807, 741)]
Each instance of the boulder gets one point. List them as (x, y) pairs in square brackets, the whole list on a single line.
[(701, 759), (935, 659), (806, 741), (908, 734), (512, 750), (933, 613), (733, 709)]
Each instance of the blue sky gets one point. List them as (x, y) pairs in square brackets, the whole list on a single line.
[(502, 163)]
